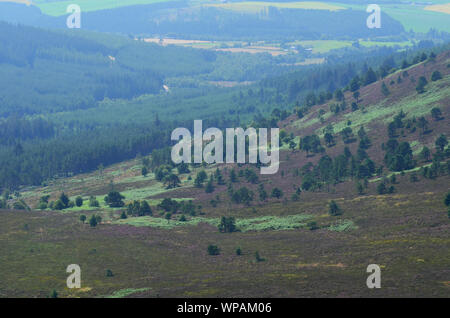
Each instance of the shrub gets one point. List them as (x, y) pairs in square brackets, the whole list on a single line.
[(447, 199), (213, 250), (393, 179), (209, 187), (64, 200), (93, 221), (413, 177), (334, 209), (359, 188), (114, 199), (295, 197), (436, 113), (258, 258), (59, 205), (384, 89), (312, 225), (227, 224), (277, 193), (436, 76), (42, 205), (93, 202), (381, 188), (243, 195), (20, 205), (79, 201), (420, 88)]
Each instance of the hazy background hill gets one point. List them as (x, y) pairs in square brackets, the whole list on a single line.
[(208, 22)]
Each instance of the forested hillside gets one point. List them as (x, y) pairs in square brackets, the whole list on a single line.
[(62, 117)]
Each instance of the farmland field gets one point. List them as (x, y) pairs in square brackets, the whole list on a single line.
[(58, 8), (416, 17), (444, 8), (258, 6), (324, 46)]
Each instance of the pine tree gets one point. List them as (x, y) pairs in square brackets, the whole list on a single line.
[(333, 209), (93, 221)]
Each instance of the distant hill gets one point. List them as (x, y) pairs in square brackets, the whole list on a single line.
[(180, 19)]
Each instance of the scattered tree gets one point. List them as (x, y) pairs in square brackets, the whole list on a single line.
[(436, 113), (420, 88), (436, 76), (93, 221), (114, 199), (277, 193), (334, 209), (258, 258), (144, 171), (213, 250), (79, 201), (441, 142), (227, 224), (447, 199)]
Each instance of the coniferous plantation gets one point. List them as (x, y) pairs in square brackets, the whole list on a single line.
[(359, 205)]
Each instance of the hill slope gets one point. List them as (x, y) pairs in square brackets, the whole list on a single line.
[(303, 250)]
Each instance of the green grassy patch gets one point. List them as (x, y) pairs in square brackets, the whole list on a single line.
[(126, 292), (146, 192), (413, 105), (264, 223), (274, 223), (58, 8), (163, 223), (342, 226)]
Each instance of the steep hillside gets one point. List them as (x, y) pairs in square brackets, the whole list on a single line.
[(358, 131), (374, 112), (310, 230)]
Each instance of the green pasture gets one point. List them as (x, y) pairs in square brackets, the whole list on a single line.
[(58, 8)]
